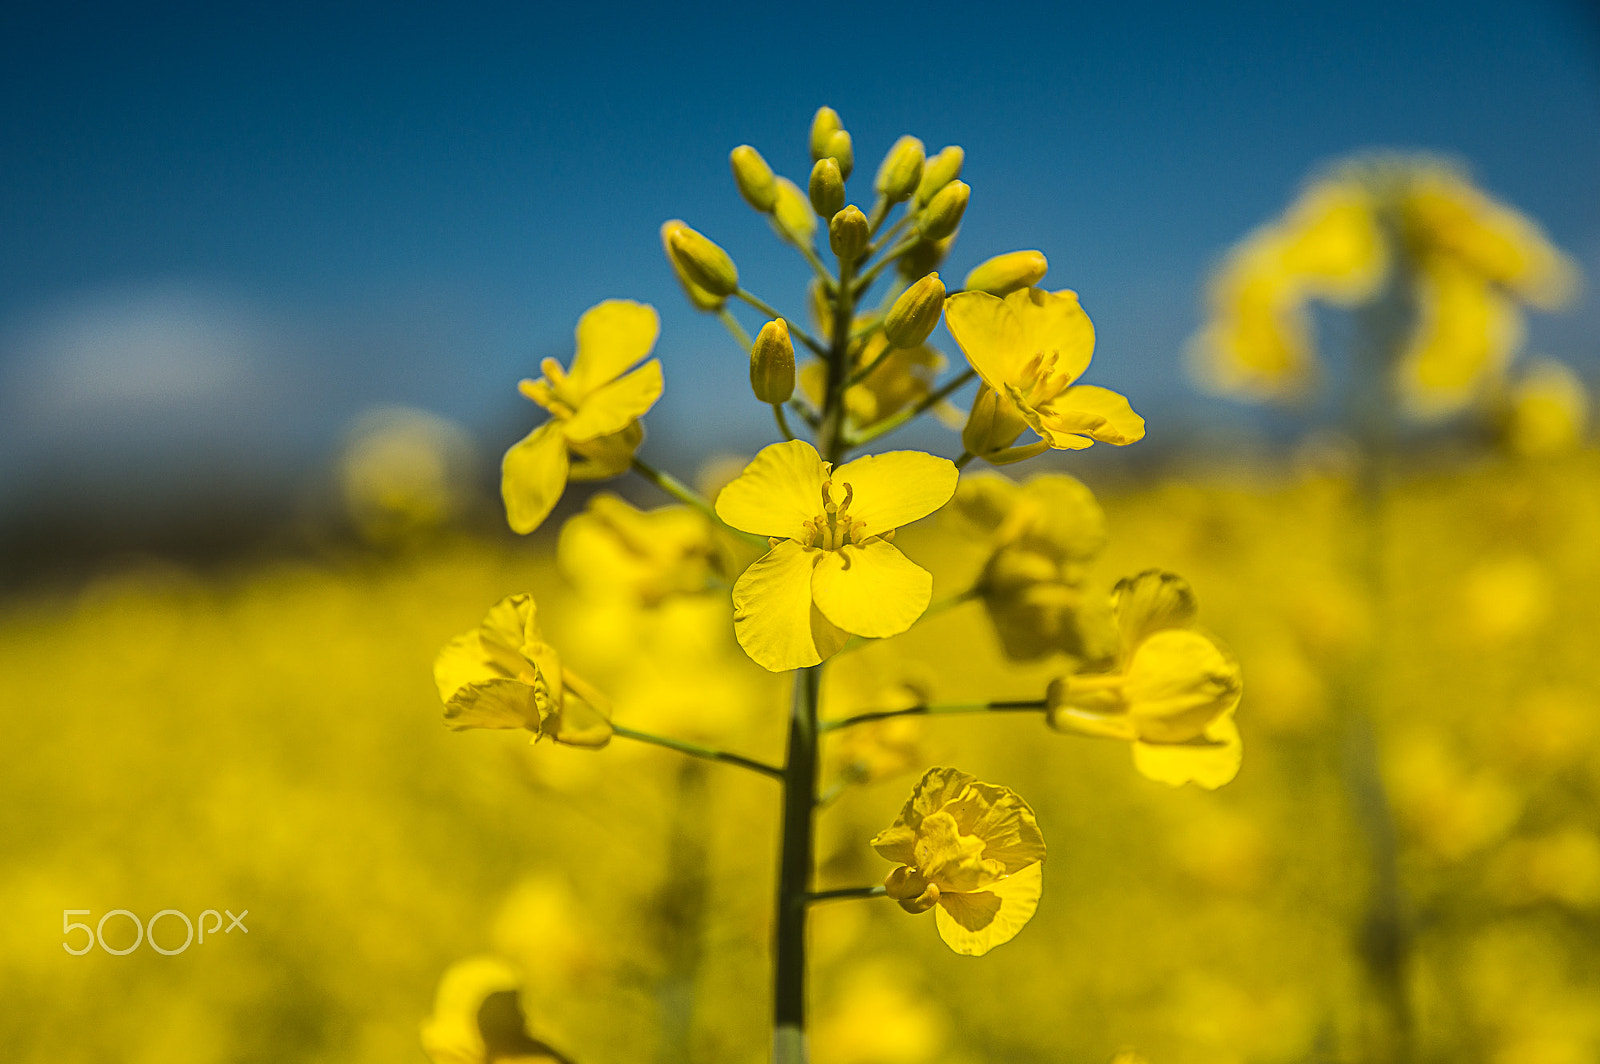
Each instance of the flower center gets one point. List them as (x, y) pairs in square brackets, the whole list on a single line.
[(1043, 382), (551, 391), (833, 527)]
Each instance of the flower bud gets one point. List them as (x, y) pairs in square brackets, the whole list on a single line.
[(1007, 273), (842, 150), (924, 257), (698, 296), (901, 170), (909, 887), (827, 187), (791, 214), (824, 125), (943, 213), (848, 233), (706, 264), (772, 363), (938, 172), (994, 424), (754, 178), (915, 314)]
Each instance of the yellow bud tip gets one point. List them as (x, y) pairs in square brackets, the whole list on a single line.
[(938, 172), (772, 363), (916, 313), (754, 177), (943, 213), (824, 125), (901, 171), (706, 264), (827, 188), (849, 233), (842, 150), (699, 297), (1004, 274)]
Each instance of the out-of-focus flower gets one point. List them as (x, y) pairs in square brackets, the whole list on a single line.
[(1450, 809), (878, 1017), (1029, 348), (1171, 691), (614, 548), (972, 849), (595, 408), (1505, 599), (879, 749), (1547, 411), (831, 572), (503, 674), (1562, 866), (401, 473), (477, 1018)]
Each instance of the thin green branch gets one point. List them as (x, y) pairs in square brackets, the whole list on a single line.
[(703, 752), (889, 424), (735, 330), (845, 892), (935, 709), (794, 330), (866, 280), (783, 421), (687, 495), (966, 456), (888, 237)]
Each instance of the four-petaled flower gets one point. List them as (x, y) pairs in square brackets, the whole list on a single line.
[(594, 411), (972, 849), (831, 572), (503, 674), (1029, 348)]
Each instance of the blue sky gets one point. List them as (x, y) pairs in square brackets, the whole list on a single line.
[(226, 231)]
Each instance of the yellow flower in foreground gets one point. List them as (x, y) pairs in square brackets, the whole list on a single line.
[(973, 850), (1171, 693), (594, 411), (503, 674), (477, 1018), (1029, 348), (831, 572)]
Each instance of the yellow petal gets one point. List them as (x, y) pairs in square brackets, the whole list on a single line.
[(1098, 413), (895, 489), (897, 843), (1054, 322), (989, 334), (777, 493), (533, 475), (499, 703), (974, 924), (611, 337), (606, 456), (870, 589), (1208, 766), (773, 615), (613, 406)]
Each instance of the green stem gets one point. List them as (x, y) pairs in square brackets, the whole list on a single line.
[(966, 456), (705, 753), (687, 495), (935, 709), (862, 374), (889, 424), (816, 263), (794, 872), (735, 330), (887, 238), (872, 273), (880, 210), (783, 421), (846, 892), (794, 330)]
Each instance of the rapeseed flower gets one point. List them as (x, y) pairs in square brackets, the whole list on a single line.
[(972, 849), (594, 408), (1171, 691), (645, 555), (832, 571), (478, 1019), (1029, 349), (503, 674)]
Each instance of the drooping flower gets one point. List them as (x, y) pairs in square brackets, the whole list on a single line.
[(478, 1018), (1030, 348), (971, 849), (832, 571), (1171, 691), (503, 674), (594, 408)]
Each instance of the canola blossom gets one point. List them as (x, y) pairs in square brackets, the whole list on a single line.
[(503, 674), (1030, 348), (594, 408), (972, 849), (833, 571)]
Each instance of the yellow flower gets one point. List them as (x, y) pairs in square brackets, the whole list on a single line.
[(831, 572), (973, 850), (1029, 348), (1548, 411), (595, 409), (613, 548), (477, 1018), (503, 674), (1171, 692)]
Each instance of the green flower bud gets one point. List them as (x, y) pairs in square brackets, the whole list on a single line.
[(827, 187), (901, 170), (943, 213), (913, 317), (698, 296), (705, 263), (849, 234), (754, 178), (772, 363), (1007, 273), (824, 125), (842, 150), (791, 214), (938, 172), (924, 257)]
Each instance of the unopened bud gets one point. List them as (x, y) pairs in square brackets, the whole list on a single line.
[(754, 178), (824, 125), (827, 187), (698, 296), (994, 424), (915, 314), (923, 257), (943, 213), (706, 264), (1004, 274), (938, 172), (841, 149), (901, 170), (772, 363), (909, 887), (848, 233), (791, 214)]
